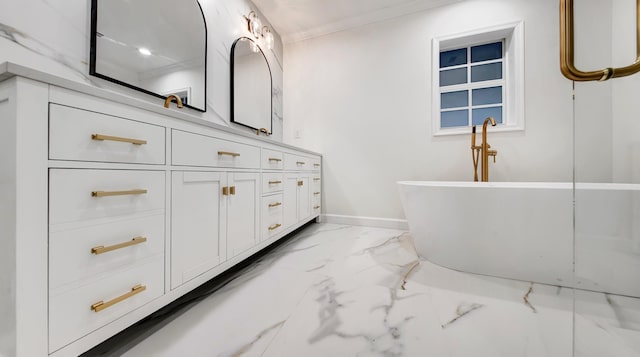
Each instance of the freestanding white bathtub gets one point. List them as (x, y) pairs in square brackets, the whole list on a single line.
[(525, 231)]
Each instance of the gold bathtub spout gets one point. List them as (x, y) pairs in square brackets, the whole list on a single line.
[(482, 151), (485, 149), (169, 98)]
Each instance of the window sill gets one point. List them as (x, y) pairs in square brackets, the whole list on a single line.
[(466, 130)]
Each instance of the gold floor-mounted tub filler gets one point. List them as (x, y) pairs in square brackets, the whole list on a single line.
[(482, 152)]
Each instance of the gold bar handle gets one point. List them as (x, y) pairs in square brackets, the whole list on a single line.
[(275, 159), (275, 182), (275, 226), (316, 207), (101, 305), (100, 137), (316, 179), (567, 50), (117, 193), (228, 153), (316, 193), (232, 190), (316, 165), (271, 205), (102, 249), (299, 163)]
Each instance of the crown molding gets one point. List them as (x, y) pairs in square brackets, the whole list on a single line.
[(366, 19)]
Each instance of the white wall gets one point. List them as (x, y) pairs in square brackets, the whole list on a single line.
[(362, 97), (53, 36)]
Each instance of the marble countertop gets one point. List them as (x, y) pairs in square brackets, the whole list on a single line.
[(10, 69)]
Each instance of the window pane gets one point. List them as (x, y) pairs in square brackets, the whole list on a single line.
[(453, 58), (454, 99), (479, 115), (486, 52), (486, 72), (453, 76), (484, 96), (454, 118)]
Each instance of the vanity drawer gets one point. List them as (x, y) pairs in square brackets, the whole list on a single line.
[(316, 164), (272, 182), (198, 150), (72, 136), (296, 162), (71, 312), (79, 194), (272, 159), (272, 216), (96, 250)]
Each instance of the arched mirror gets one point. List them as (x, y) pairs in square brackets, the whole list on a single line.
[(155, 46), (250, 85)]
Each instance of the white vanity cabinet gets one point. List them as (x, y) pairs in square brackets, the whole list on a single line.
[(111, 208), (198, 217)]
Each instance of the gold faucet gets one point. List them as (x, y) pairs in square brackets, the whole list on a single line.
[(263, 130), (482, 151), (169, 98)]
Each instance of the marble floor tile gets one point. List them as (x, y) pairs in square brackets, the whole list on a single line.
[(338, 290)]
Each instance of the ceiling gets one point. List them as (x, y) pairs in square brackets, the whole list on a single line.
[(296, 20)]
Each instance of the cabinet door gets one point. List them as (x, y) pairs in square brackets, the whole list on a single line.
[(304, 197), (290, 200), (198, 225), (243, 218)]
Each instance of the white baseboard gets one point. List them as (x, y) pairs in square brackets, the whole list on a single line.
[(390, 223)]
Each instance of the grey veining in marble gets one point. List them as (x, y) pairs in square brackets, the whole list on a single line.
[(358, 291)]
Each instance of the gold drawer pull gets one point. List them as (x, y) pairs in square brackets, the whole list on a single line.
[(275, 159), (100, 137), (117, 193), (316, 193), (101, 305), (275, 182), (275, 226), (102, 249), (316, 165), (316, 207), (316, 179), (300, 183), (299, 163), (271, 205), (234, 154)]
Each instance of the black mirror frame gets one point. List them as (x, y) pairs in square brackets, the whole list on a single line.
[(233, 49), (93, 54)]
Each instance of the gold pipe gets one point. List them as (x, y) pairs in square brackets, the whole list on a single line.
[(101, 305), (485, 149), (102, 249), (170, 97), (567, 50), (117, 193), (100, 137)]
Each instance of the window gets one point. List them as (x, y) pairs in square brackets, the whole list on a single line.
[(477, 75)]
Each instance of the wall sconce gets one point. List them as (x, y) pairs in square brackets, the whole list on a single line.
[(258, 31)]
